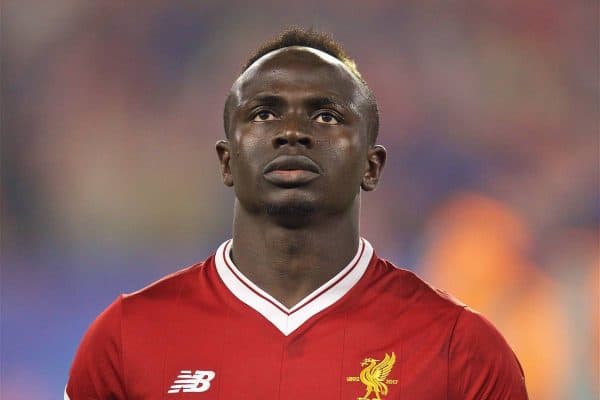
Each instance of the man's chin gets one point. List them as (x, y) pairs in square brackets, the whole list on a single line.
[(290, 210)]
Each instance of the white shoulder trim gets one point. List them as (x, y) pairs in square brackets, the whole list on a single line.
[(286, 319)]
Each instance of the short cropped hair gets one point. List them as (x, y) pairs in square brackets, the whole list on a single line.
[(320, 41)]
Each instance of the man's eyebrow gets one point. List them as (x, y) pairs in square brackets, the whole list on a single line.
[(313, 102), (264, 99), (324, 101)]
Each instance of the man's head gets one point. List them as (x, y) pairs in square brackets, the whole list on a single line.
[(301, 125), (314, 40)]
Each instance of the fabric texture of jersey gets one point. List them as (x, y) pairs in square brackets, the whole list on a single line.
[(373, 331)]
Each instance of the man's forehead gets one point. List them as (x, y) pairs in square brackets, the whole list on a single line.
[(273, 64)]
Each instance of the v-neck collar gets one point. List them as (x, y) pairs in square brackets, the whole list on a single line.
[(287, 320)]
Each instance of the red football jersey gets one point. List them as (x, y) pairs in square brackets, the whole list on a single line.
[(373, 331)]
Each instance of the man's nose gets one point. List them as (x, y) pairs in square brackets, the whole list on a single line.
[(293, 134)]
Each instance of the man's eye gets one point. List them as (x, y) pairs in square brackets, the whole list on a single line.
[(264, 116), (326, 118)]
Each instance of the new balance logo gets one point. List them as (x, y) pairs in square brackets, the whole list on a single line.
[(188, 383)]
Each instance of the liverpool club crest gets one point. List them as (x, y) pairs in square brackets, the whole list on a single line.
[(374, 376)]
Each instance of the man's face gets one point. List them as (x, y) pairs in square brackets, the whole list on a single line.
[(298, 135)]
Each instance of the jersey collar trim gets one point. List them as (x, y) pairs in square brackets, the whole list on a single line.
[(287, 320)]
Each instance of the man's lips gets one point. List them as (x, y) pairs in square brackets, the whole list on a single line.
[(290, 163), (291, 171)]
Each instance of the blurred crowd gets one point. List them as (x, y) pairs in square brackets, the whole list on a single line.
[(489, 111)]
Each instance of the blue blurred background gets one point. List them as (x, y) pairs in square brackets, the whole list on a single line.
[(489, 113)]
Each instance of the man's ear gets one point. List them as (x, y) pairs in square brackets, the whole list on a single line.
[(375, 161), (224, 154)]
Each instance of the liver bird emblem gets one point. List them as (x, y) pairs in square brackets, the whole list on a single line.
[(374, 375)]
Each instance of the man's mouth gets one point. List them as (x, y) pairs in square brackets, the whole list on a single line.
[(291, 171)]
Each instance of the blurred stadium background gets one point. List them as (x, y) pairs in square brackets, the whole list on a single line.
[(110, 180)]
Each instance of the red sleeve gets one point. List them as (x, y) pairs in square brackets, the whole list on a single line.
[(482, 365), (97, 370)]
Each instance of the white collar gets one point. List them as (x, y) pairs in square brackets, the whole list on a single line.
[(286, 319)]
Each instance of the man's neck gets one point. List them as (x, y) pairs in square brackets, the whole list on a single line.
[(290, 263)]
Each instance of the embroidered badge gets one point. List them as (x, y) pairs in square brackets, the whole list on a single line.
[(374, 376)]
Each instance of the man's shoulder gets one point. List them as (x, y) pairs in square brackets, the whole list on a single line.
[(170, 286), (414, 289), (426, 299), (481, 361)]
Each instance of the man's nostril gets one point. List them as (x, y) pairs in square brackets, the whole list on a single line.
[(280, 141), (304, 141)]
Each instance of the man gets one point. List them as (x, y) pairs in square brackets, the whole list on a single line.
[(296, 305)]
